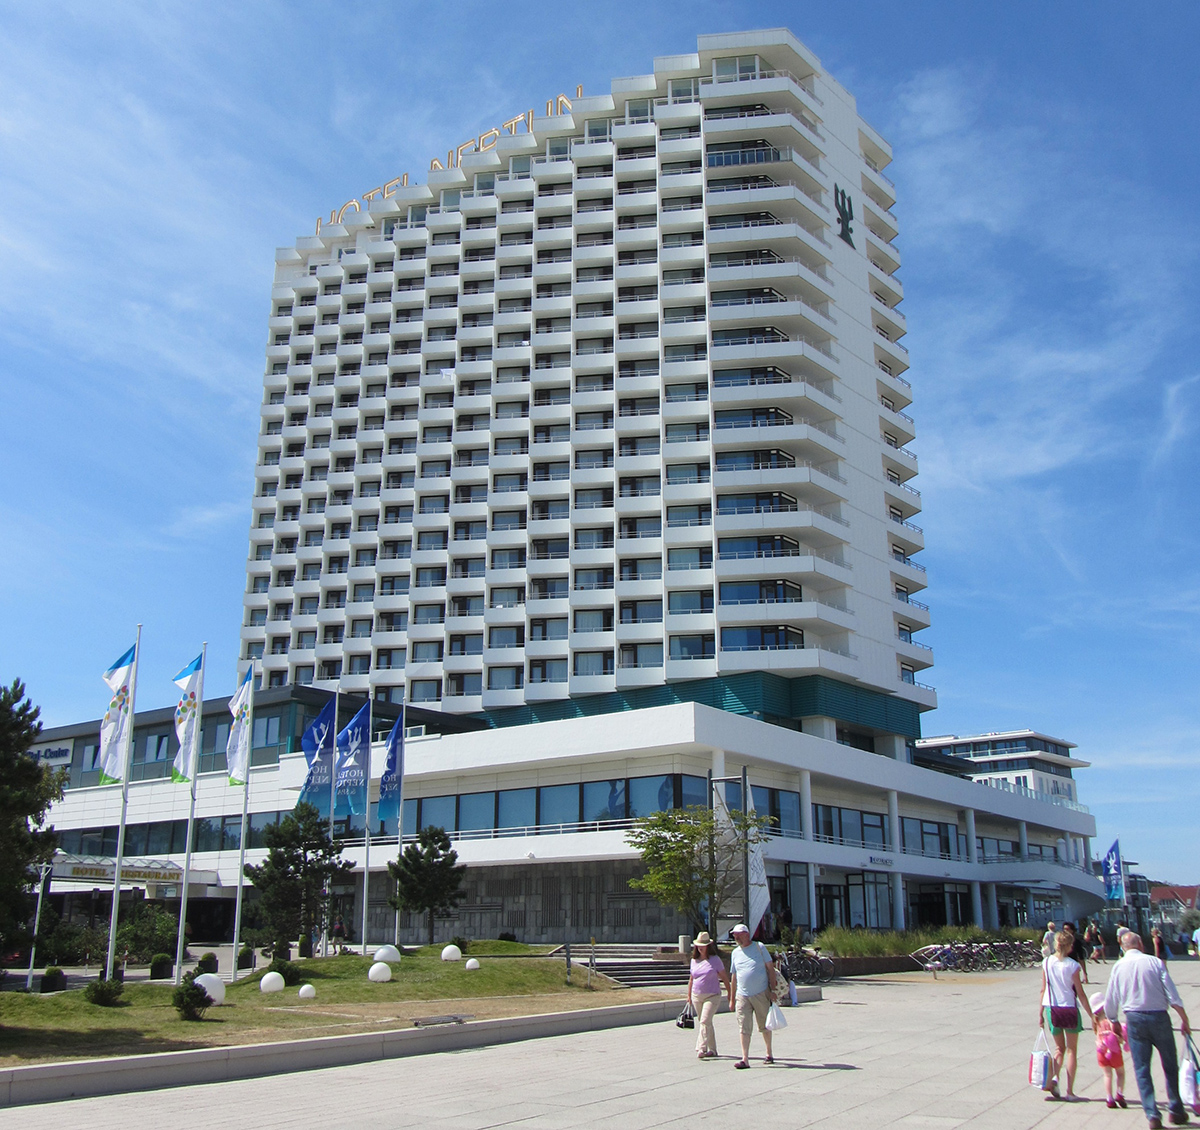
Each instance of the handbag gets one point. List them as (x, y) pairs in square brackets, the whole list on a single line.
[(775, 1019), (1039, 1063), (1064, 1017), (1189, 1092), (686, 1018)]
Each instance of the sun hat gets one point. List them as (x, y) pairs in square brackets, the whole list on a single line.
[(1096, 1000), (702, 939), (740, 928)]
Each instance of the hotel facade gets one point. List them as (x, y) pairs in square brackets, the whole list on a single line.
[(593, 450)]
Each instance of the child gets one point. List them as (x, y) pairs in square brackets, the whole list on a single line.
[(1108, 1053)]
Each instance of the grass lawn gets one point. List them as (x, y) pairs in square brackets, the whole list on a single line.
[(60, 1026)]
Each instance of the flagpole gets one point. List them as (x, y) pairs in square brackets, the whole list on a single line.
[(367, 826), (400, 813), (332, 806), (127, 760), (241, 875), (181, 943)]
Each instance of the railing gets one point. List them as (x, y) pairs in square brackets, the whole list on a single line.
[(914, 683), (752, 338), (760, 74), (746, 261), (878, 172), (908, 525), (905, 487), (909, 562)]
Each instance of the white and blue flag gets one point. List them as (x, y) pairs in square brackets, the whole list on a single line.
[(114, 727), (317, 743), (237, 748), (1114, 874), (391, 782), (354, 763), (187, 720)]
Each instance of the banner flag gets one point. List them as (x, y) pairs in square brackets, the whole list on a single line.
[(391, 783), (760, 894), (115, 724), (354, 762), (317, 743), (187, 721), (237, 748), (1114, 874)]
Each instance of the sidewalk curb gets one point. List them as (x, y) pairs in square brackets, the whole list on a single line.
[(52, 1082)]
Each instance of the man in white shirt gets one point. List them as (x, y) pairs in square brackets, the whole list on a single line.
[(1141, 987), (1048, 940), (752, 987)]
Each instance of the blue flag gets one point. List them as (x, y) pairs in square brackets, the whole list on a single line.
[(391, 783), (317, 743), (354, 763), (1114, 874)]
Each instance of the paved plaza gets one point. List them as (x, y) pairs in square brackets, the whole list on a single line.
[(903, 1050)]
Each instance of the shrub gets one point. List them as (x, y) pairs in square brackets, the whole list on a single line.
[(161, 966), (104, 993), (507, 936), (190, 1000), (461, 942), (841, 942), (305, 947), (246, 958), (54, 980), (145, 930), (289, 972), (207, 963)]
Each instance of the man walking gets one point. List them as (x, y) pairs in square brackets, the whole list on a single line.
[(1141, 986), (1048, 940), (752, 983)]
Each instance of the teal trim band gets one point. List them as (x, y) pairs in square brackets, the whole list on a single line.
[(760, 694)]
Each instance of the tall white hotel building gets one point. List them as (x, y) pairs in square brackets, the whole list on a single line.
[(599, 439)]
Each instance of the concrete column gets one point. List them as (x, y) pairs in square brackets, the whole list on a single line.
[(820, 727), (812, 897), (1087, 853), (718, 763), (972, 847), (893, 746), (993, 909), (976, 902), (806, 813), (1029, 908), (1023, 839), (898, 914), (894, 834)]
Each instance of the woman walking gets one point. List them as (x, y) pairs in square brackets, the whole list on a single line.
[(707, 979), (1062, 997)]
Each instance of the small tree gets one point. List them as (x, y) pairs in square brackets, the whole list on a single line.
[(695, 859), (428, 876), (27, 789), (1189, 920), (302, 862)]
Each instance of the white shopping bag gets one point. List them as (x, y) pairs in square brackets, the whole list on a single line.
[(1039, 1064), (1187, 1076), (775, 1019)]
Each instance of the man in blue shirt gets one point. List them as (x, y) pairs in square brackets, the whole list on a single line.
[(752, 986)]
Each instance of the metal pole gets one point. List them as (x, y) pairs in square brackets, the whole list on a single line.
[(746, 846), (712, 864), (187, 854), (332, 806), (367, 826), (241, 875), (128, 766), (44, 870)]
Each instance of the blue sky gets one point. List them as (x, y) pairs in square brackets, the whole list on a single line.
[(153, 157)]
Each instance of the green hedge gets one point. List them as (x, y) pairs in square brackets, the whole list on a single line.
[(840, 942)]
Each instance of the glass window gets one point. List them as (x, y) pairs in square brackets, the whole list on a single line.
[(259, 823), (517, 808), (650, 794), (158, 840), (505, 678), (231, 833), (425, 690), (135, 839), (852, 825), (156, 747), (476, 812), (207, 834), (558, 804), (408, 817), (266, 732), (438, 812), (789, 812), (604, 800), (593, 663)]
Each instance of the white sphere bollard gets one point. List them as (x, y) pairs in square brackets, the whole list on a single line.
[(213, 986), (387, 953), (271, 982), (452, 953), (472, 963), (380, 971), (307, 993)]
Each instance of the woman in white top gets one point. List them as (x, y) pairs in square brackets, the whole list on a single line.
[(1062, 998)]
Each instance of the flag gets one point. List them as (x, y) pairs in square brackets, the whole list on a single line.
[(760, 894), (354, 762), (1114, 874), (391, 783), (317, 743), (115, 725), (237, 749), (187, 721)]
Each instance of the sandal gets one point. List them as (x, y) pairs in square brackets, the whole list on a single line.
[(769, 1059), (741, 1065)]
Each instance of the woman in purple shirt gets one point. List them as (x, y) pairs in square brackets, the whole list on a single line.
[(704, 989)]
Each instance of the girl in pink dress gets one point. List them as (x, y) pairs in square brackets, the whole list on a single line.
[(1108, 1053)]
